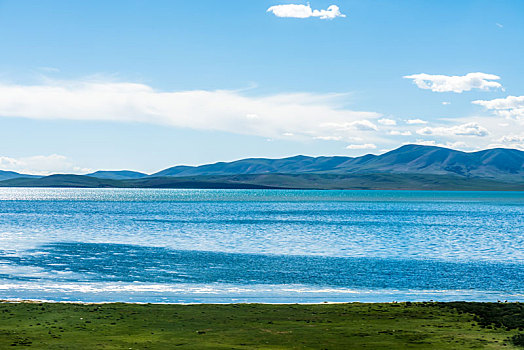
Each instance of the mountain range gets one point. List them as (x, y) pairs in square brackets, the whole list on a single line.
[(407, 167), (414, 159)]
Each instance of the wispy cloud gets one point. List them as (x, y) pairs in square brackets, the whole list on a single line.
[(386, 121), (49, 69), (468, 129), (512, 138), (305, 115), (513, 141), (362, 125), (362, 146), (41, 165), (305, 11), (455, 83), (455, 145), (400, 133), (286, 116), (328, 138), (509, 107), (416, 121)]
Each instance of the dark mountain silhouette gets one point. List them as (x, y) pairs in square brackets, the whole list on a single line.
[(496, 163)]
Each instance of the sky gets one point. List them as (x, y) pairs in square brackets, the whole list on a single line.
[(145, 85)]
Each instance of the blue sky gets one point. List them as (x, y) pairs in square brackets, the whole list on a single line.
[(144, 85)]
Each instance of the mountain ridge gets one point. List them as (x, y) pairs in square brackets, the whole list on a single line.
[(491, 163), (500, 164)]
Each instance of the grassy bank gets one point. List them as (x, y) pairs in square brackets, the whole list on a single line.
[(258, 326)]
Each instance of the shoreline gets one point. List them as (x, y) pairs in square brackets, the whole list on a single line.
[(45, 301), (519, 189)]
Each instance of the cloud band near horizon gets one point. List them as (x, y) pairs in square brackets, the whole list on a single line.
[(304, 115), (284, 116)]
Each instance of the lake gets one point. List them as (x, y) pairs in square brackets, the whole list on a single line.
[(194, 246)]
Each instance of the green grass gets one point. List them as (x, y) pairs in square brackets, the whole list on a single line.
[(259, 326)]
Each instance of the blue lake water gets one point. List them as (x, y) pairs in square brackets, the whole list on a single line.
[(145, 245)]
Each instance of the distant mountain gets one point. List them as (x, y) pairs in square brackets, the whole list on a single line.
[(408, 167), (496, 163), (117, 174), (6, 175)]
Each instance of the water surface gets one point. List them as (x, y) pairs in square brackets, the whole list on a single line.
[(260, 245)]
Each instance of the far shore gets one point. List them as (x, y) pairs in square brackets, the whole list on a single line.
[(374, 181)]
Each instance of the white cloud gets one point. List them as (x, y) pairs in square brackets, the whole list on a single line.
[(512, 126), (305, 116), (362, 125), (364, 146), (40, 165), (510, 102), (416, 121), (302, 114), (513, 141), (455, 83), (305, 11), (454, 145), (386, 121), (446, 103), (508, 107), (468, 129), (328, 138), (400, 133), (511, 138)]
